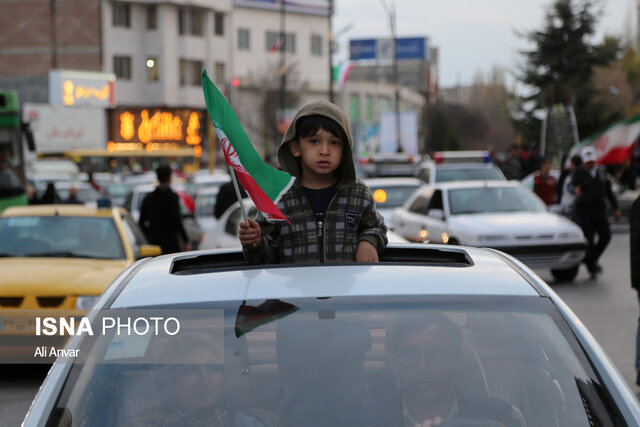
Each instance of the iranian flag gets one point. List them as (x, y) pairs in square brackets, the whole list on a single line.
[(614, 145), (264, 184)]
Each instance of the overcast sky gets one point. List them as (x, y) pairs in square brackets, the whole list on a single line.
[(472, 35)]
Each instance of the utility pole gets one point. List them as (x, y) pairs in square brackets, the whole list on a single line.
[(331, 44), (391, 12), (283, 69)]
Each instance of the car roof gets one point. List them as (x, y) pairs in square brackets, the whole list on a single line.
[(61, 210), (448, 185), (391, 181), (211, 276)]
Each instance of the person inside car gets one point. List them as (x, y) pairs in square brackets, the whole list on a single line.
[(425, 356), (332, 214), (191, 387)]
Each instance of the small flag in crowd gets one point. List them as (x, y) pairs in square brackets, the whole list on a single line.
[(341, 73), (277, 45), (613, 145), (264, 184)]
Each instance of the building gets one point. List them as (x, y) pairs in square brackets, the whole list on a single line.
[(135, 66)]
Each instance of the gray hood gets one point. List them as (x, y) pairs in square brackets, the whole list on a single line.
[(291, 164)]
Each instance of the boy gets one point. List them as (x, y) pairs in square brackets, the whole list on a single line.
[(333, 216)]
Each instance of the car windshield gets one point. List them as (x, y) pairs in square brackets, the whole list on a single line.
[(205, 204), (60, 236), (493, 200), (339, 362), (467, 174), (392, 196)]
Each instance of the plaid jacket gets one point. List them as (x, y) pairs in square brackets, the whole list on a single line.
[(350, 217)]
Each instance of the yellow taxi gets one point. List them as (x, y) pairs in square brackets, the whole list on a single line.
[(59, 257)]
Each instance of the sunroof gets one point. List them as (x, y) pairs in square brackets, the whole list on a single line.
[(397, 255)]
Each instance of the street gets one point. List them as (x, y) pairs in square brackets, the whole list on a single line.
[(608, 307)]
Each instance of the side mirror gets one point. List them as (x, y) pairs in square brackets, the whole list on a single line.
[(436, 213), (149, 250)]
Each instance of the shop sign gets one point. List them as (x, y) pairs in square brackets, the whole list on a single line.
[(81, 88), (154, 129)]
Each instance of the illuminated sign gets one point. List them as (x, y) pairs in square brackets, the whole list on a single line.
[(155, 129), (81, 89)]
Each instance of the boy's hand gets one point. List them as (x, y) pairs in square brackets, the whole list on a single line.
[(366, 252), (250, 233)]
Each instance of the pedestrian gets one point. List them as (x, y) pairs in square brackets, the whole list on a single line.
[(160, 216), (544, 184), (94, 184), (566, 188), (533, 161), (512, 166), (72, 199), (226, 197), (591, 189), (634, 250), (333, 215), (50, 195)]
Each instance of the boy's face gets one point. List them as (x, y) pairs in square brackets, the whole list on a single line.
[(320, 155)]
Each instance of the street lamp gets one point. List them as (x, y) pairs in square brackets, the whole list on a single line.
[(391, 12)]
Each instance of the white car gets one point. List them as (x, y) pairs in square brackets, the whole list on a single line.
[(224, 234), (205, 204), (496, 214), (391, 193)]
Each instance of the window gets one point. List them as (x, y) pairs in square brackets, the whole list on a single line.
[(420, 204), (290, 43), (152, 69), (190, 72), (368, 108), (218, 24), (316, 45), (383, 104), (354, 108), (243, 39), (122, 67), (195, 22), (219, 73), (182, 21), (274, 44), (152, 17), (121, 15)]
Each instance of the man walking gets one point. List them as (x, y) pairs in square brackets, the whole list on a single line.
[(634, 249), (160, 217), (591, 189)]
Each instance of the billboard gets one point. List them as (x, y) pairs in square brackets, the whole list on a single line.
[(408, 132), (381, 49), (81, 88), (154, 129), (312, 7), (58, 129)]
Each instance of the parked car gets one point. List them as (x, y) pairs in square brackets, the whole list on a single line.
[(472, 330), (59, 257), (458, 166), (625, 196), (391, 193), (497, 214)]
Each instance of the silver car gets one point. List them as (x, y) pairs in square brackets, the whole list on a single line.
[(465, 336)]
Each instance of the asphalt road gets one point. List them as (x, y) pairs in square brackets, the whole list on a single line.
[(608, 306)]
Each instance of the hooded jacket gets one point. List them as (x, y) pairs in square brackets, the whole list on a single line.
[(350, 217)]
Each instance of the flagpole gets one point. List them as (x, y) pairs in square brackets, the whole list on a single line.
[(238, 195)]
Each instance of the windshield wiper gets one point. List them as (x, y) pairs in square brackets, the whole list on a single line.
[(60, 254)]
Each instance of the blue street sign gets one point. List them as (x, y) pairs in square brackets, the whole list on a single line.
[(362, 49)]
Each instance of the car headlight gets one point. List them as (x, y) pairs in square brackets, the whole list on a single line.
[(570, 235), (490, 238), (85, 302)]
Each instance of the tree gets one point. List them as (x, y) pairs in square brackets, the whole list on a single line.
[(561, 65)]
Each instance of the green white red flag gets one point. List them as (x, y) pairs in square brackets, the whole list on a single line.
[(613, 145), (264, 184)]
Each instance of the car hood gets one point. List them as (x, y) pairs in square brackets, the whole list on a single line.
[(513, 223), (55, 276)]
